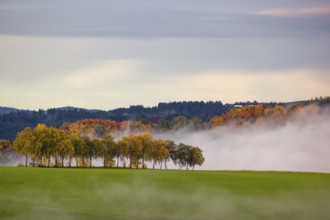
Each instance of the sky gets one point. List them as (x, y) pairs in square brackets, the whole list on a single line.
[(105, 54)]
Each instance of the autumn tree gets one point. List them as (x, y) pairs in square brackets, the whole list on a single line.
[(171, 147), (174, 153), (183, 154), (106, 149), (217, 121), (52, 142), (6, 150), (110, 150), (24, 142), (146, 147), (4, 145), (134, 150), (45, 141), (163, 154), (117, 153), (90, 152), (80, 149), (131, 148), (158, 152), (195, 157), (63, 146), (122, 148)]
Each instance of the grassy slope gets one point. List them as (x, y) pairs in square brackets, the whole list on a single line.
[(41, 193)]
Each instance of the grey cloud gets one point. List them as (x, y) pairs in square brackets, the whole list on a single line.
[(195, 55), (187, 36), (147, 18), (33, 59)]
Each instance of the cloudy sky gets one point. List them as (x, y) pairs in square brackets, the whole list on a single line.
[(104, 54)]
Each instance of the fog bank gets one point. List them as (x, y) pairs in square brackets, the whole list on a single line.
[(302, 144)]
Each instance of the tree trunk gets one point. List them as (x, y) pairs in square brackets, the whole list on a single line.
[(117, 162), (62, 161), (48, 162), (165, 164), (153, 165), (90, 161), (161, 164), (104, 162), (55, 161), (26, 160)]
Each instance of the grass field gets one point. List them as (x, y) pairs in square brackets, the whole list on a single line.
[(49, 193)]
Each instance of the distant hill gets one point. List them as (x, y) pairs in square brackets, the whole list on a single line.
[(13, 120), (163, 116), (6, 110)]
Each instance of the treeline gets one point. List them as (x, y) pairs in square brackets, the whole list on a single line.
[(47, 146), (99, 126), (161, 116), (261, 115), (204, 110), (164, 117)]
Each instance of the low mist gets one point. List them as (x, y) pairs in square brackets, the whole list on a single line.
[(301, 144)]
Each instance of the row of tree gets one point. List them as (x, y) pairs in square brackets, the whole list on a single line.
[(47, 146)]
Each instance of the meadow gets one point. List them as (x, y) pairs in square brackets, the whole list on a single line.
[(98, 193)]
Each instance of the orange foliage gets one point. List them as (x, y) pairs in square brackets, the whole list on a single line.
[(295, 108), (98, 127), (88, 125), (238, 116), (255, 114)]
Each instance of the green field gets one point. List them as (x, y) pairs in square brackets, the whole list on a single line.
[(50, 193)]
